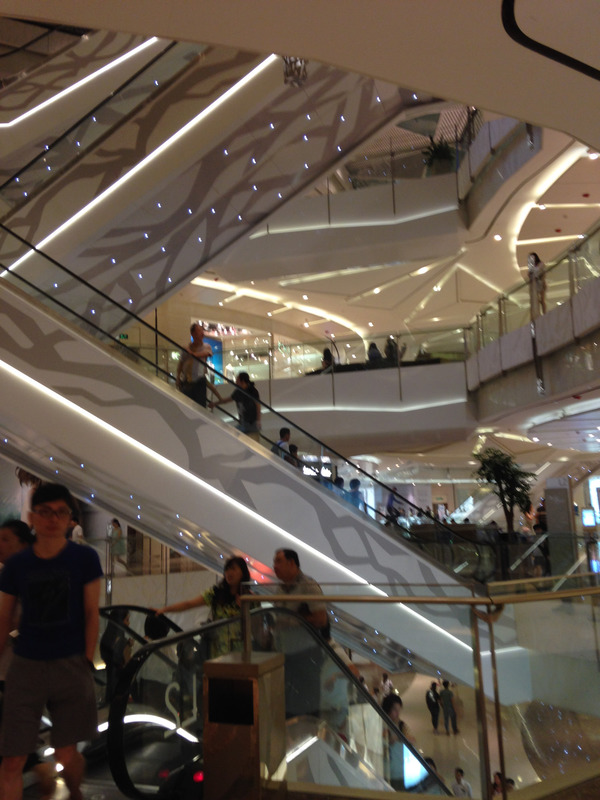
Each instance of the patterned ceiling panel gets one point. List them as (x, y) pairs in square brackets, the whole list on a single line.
[(280, 144), (91, 53)]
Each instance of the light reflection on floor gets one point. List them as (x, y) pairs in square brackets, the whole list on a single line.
[(461, 750)]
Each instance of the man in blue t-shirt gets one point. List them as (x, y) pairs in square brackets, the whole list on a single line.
[(56, 585)]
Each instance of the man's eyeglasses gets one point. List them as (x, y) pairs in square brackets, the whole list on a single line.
[(47, 513)]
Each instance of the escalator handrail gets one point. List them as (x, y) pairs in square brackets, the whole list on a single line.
[(48, 30), (115, 738), (86, 116), (137, 320), (105, 612)]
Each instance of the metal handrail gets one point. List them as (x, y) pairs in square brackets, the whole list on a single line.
[(98, 107), (137, 320), (490, 608)]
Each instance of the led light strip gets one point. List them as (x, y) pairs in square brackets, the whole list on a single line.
[(298, 543), (233, 90), (61, 95)]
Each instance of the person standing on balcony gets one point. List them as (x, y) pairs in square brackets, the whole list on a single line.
[(326, 362), (537, 284), (374, 356)]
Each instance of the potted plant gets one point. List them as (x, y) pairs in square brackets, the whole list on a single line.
[(439, 156)]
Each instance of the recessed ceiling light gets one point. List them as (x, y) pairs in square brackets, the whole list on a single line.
[(370, 324), (305, 297), (377, 290), (497, 237), (437, 288)]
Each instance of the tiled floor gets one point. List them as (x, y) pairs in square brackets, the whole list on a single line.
[(461, 750)]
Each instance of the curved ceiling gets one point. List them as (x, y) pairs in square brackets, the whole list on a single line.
[(457, 50)]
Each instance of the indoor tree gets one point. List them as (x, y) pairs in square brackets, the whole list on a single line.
[(508, 481)]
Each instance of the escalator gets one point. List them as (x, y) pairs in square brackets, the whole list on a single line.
[(165, 63), (113, 428), (155, 734), (39, 107)]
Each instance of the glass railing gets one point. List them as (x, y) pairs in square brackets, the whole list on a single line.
[(99, 316), (95, 125), (123, 631), (17, 61), (560, 640), (265, 357), (514, 309), (586, 260), (526, 711), (157, 719), (384, 170)]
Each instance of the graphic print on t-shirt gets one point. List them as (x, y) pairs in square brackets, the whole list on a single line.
[(47, 597)]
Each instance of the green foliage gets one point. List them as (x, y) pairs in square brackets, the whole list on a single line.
[(508, 481), (438, 151)]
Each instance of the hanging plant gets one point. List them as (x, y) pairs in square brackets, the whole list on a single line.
[(438, 151)]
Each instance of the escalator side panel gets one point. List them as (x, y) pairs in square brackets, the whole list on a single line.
[(161, 453)]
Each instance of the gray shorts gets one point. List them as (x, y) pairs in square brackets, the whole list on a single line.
[(63, 686)]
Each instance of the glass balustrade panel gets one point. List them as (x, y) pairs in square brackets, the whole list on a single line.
[(326, 710), (432, 347), (490, 325), (587, 260), (517, 308), (558, 285), (93, 127), (549, 681)]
